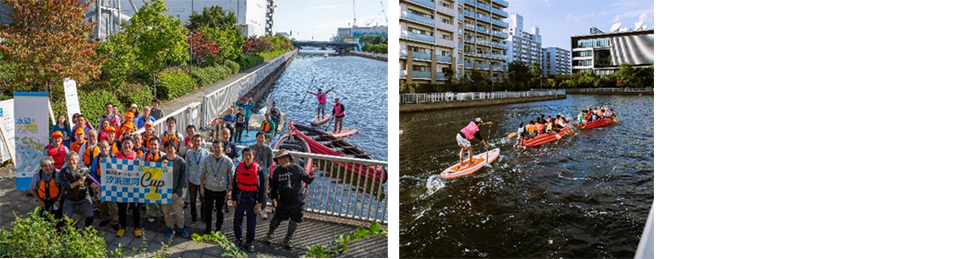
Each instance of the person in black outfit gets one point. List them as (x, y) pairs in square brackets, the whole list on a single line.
[(286, 191)]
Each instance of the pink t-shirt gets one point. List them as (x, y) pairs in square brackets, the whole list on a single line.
[(322, 98)]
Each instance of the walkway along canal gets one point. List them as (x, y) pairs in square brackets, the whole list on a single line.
[(586, 195)]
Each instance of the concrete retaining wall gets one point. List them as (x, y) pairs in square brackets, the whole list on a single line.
[(420, 107), (374, 56)]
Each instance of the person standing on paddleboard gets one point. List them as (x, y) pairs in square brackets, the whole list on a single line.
[(465, 136), (339, 111), (321, 100)]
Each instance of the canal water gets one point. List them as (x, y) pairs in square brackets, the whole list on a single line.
[(361, 85), (586, 195)]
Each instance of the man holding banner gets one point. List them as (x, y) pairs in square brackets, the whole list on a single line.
[(127, 153), (179, 179)]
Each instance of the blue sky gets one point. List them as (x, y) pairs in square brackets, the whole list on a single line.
[(321, 18), (559, 19)]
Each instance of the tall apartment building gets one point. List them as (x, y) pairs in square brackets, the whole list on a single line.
[(603, 53), (555, 61), (254, 17), (466, 36), (526, 46)]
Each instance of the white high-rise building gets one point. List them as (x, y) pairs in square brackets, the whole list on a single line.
[(526, 46), (555, 61), (254, 17)]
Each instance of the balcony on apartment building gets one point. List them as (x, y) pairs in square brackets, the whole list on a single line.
[(503, 3), (420, 55), (500, 12), (500, 34), (417, 36), (482, 66), (450, 11), (468, 65), (439, 75), (404, 54), (499, 22), (421, 74), (441, 58), (500, 45), (499, 56), (404, 73), (418, 18), (425, 3)]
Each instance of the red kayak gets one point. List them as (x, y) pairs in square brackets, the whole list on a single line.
[(596, 123), (327, 144), (545, 138)]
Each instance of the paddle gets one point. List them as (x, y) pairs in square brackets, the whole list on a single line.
[(311, 86), (513, 134)]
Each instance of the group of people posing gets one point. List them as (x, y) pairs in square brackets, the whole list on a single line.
[(69, 180)]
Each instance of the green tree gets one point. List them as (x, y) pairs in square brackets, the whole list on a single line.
[(160, 39), (518, 74), (211, 17), (228, 39), (47, 42), (449, 75), (120, 60)]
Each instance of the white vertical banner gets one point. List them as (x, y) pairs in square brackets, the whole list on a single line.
[(30, 135), (70, 96), (7, 128)]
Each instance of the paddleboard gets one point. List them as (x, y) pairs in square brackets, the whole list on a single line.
[(478, 161), (344, 133), (326, 118)]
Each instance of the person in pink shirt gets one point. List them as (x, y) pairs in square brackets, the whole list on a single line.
[(321, 100)]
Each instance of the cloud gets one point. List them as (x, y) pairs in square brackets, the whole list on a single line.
[(643, 14), (324, 6)]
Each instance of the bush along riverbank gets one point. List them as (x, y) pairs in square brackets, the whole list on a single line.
[(153, 57), (523, 78)]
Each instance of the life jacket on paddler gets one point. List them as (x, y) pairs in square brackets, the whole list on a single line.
[(48, 189), (247, 178), (149, 157), (166, 137), (470, 130), (338, 110), (58, 154), (265, 126), (90, 152)]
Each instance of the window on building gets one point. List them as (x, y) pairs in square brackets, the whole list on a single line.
[(446, 20)]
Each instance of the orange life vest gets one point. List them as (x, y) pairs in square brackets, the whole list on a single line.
[(166, 137), (265, 126), (89, 154), (150, 158), (247, 179), (47, 190), (76, 146), (129, 156)]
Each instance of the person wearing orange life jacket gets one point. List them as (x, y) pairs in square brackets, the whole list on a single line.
[(338, 114), (79, 140), (247, 196), (109, 210), (44, 188), (89, 150), (153, 155), (112, 140), (56, 150), (136, 145), (171, 133), (148, 134), (464, 137), (268, 127)]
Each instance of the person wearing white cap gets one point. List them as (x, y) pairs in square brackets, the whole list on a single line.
[(464, 137)]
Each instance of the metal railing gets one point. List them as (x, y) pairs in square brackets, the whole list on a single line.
[(417, 36), (426, 3), (420, 74), (502, 2), (418, 18), (441, 58), (500, 45), (499, 22), (612, 90), (470, 96), (499, 11), (420, 55), (344, 191)]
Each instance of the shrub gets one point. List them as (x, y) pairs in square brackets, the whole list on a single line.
[(172, 85), (208, 75), (233, 66), (135, 93), (272, 54), (248, 61), (33, 236), (92, 103)]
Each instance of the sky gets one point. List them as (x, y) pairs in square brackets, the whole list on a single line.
[(559, 19), (321, 18)]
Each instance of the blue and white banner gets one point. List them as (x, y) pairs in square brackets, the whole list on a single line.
[(135, 181), (32, 120)]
